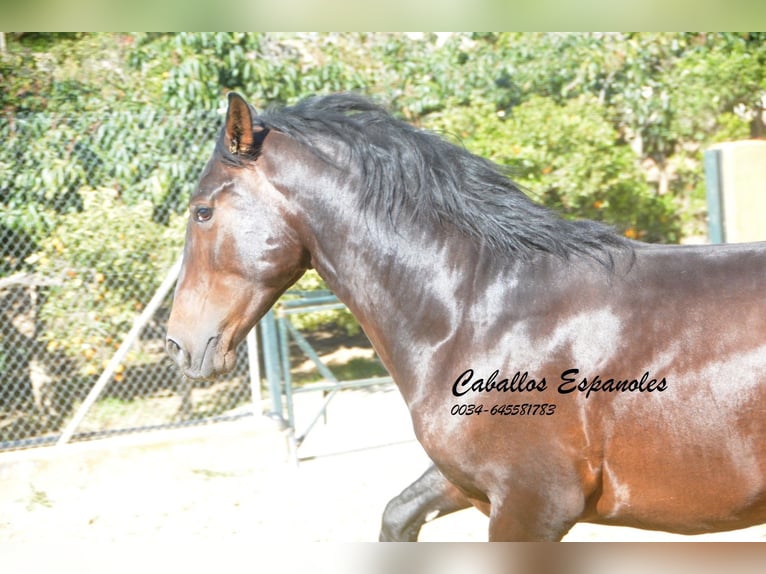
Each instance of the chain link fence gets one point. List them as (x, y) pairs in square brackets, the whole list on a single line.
[(91, 221)]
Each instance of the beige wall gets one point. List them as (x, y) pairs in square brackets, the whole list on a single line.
[(743, 183)]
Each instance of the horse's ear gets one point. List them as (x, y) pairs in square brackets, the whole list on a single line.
[(239, 137)]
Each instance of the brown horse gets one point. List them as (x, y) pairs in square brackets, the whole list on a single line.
[(555, 371)]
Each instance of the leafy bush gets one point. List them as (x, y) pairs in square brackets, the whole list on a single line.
[(558, 109), (49, 158), (106, 261), (196, 69), (569, 158)]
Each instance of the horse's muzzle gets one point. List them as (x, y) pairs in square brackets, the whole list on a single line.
[(196, 365)]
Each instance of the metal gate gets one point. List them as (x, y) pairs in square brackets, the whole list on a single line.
[(276, 332)]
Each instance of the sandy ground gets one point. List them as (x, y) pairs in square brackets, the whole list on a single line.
[(231, 485)]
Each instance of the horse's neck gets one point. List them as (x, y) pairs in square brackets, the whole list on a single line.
[(403, 286)]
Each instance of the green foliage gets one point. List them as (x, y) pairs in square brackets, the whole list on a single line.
[(666, 94), (49, 158), (730, 127), (580, 119), (568, 157), (107, 260), (197, 69), (104, 136), (64, 73)]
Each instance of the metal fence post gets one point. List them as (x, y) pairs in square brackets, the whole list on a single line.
[(271, 362), (284, 351), (255, 371)]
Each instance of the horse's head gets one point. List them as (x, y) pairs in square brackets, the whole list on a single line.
[(242, 250)]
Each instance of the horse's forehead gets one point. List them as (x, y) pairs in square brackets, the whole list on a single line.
[(215, 175)]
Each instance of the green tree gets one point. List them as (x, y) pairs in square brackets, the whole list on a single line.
[(663, 92), (105, 262), (197, 69), (585, 120), (568, 157)]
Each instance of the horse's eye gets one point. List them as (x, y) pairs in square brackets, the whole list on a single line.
[(202, 214)]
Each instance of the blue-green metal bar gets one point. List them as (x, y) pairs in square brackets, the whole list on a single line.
[(714, 195), (271, 361), (308, 350), (321, 413), (313, 308), (276, 333), (310, 294), (304, 346), (284, 348), (310, 301)]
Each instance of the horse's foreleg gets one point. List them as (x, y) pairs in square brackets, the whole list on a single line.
[(428, 497)]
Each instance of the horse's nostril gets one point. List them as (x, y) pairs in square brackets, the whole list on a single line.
[(175, 350)]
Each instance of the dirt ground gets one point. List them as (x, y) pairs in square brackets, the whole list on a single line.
[(232, 485)]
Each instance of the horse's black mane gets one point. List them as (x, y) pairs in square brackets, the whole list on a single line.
[(409, 172)]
